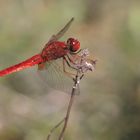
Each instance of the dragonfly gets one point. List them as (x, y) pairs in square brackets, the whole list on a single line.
[(60, 80), (52, 50)]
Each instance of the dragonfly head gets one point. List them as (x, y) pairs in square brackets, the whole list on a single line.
[(73, 44)]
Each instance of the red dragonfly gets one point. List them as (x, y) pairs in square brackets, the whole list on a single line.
[(52, 50)]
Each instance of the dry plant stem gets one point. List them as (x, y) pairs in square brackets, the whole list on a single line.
[(69, 107), (56, 126), (66, 118)]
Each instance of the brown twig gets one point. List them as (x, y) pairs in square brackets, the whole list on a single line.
[(69, 107), (56, 126), (66, 118)]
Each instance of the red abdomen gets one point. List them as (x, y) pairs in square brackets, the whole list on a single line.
[(36, 59), (50, 52)]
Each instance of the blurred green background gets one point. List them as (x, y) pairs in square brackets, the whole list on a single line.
[(108, 107)]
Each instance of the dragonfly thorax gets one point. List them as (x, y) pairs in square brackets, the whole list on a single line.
[(73, 44)]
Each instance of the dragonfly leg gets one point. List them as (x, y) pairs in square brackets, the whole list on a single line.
[(64, 68), (81, 76), (73, 58), (69, 63), (76, 52)]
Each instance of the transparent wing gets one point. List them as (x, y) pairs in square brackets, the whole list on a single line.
[(61, 32), (54, 77)]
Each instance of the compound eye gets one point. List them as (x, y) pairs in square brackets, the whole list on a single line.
[(73, 44)]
